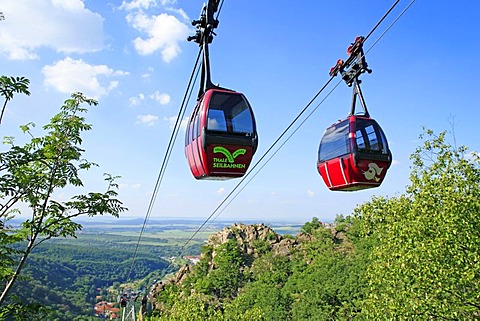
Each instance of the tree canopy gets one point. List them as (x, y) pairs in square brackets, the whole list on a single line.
[(30, 174), (414, 256), (427, 261)]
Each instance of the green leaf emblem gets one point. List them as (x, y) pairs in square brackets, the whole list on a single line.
[(228, 155)]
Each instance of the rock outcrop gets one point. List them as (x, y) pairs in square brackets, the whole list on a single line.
[(247, 237)]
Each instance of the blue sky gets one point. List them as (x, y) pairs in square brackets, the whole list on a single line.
[(134, 58)]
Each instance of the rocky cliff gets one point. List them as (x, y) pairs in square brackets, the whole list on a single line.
[(247, 237)]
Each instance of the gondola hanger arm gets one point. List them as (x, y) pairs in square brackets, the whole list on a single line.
[(351, 69), (204, 36), (354, 65)]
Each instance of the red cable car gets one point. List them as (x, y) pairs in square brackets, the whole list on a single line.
[(221, 136), (353, 152)]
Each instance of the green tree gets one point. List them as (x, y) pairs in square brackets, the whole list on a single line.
[(11, 85), (328, 278), (226, 276), (30, 174), (310, 227), (19, 311), (264, 293), (427, 261)]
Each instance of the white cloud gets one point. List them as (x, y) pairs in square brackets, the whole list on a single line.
[(221, 191), (61, 197), (159, 97), (72, 5), (136, 100), (148, 74), (124, 186), (172, 120), (179, 12), (148, 120), (62, 25), (138, 4), (69, 75), (144, 4), (395, 162), (310, 193), (163, 32), (165, 2)]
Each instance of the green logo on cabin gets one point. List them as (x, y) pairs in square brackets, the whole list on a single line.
[(229, 160)]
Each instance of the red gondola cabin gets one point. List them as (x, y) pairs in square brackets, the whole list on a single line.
[(353, 154), (221, 135)]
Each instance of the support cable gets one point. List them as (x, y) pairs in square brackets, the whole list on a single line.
[(381, 20), (257, 163), (224, 202), (219, 9), (181, 113), (231, 194), (173, 137), (307, 117)]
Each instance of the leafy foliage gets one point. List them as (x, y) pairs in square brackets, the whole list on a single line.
[(226, 277), (66, 276), (18, 310), (318, 281), (11, 85), (410, 257), (31, 173), (414, 256), (310, 227), (426, 265)]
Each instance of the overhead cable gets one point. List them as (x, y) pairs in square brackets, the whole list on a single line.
[(231, 194), (180, 115)]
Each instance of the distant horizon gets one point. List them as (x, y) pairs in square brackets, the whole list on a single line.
[(111, 219), (133, 57)]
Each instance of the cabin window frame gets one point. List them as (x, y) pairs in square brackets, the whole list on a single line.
[(341, 144), (373, 137), (242, 122)]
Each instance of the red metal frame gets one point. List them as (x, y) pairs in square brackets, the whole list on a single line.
[(216, 156), (354, 171)]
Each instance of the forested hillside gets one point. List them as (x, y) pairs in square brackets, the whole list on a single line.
[(410, 257), (67, 277), (414, 256)]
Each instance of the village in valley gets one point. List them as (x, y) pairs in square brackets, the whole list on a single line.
[(109, 306)]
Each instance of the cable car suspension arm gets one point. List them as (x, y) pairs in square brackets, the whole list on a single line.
[(356, 64), (351, 69), (204, 36)]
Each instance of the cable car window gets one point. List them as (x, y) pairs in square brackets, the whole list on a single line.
[(229, 112), (384, 141), (360, 140), (196, 127), (242, 121), (216, 120), (370, 137), (190, 129), (188, 136), (335, 142)]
